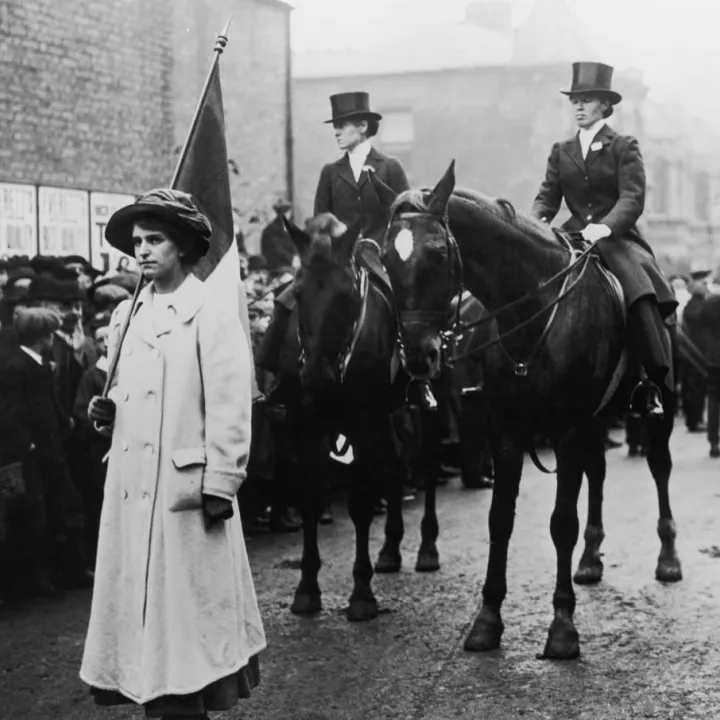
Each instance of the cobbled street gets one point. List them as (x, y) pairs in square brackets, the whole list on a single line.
[(648, 650)]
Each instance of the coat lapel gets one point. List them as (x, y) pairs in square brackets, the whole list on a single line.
[(345, 171), (374, 159), (604, 137), (573, 149)]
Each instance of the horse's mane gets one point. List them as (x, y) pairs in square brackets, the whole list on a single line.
[(322, 230), (469, 209)]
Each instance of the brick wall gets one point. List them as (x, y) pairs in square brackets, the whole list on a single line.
[(84, 100), (98, 94)]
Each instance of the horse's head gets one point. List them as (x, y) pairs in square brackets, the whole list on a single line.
[(423, 261), (327, 289)]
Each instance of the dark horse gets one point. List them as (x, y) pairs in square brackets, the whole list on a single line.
[(351, 385), (556, 359)]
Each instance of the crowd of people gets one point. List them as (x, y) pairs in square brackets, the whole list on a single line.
[(54, 318)]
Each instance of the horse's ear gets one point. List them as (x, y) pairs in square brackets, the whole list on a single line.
[(385, 193), (441, 193), (300, 238), (345, 244)]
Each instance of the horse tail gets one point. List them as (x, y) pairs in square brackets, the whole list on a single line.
[(508, 208)]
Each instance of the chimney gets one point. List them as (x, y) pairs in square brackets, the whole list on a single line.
[(490, 14)]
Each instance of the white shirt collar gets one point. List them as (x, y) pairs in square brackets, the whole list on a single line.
[(587, 135), (35, 356), (358, 156)]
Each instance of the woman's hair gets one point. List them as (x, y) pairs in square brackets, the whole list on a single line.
[(181, 239), (34, 324), (373, 124)]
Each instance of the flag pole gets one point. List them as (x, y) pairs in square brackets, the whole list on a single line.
[(220, 43)]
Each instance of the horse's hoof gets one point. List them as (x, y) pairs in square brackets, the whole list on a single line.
[(305, 604), (485, 633), (362, 610), (668, 570), (589, 572), (563, 642), (388, 563), (427, 562)]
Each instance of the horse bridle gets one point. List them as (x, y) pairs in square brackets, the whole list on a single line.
[(361, 288), (445, 322), (454, 330)]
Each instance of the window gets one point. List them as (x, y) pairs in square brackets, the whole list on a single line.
[(702, 197)]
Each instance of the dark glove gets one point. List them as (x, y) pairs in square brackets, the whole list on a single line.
[(101, 411), (216, 509)]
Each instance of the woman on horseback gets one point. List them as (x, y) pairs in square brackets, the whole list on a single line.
[(601, 176), (344, 190)]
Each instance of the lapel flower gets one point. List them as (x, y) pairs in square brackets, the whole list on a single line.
[(368, 169)]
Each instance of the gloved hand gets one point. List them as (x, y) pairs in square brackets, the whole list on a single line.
[(101, 411), (216, 509), (596, 231)]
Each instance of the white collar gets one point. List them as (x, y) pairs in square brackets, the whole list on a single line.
[(361, 151), (35, 356), (593, 130), (102, 363)]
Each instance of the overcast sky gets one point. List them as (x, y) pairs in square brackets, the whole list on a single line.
[(675, 43)]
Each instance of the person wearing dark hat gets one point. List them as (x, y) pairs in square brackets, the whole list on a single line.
[(601, 176), (85, 272), (275, 243), (344, 189), (174, 625)]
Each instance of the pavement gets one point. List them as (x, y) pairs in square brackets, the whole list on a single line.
[(648, 650)]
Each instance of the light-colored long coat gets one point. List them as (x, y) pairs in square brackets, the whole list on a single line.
[(174, 606)]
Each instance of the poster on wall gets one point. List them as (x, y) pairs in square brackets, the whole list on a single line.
[(18, 220), (103, 256), (64, 222)]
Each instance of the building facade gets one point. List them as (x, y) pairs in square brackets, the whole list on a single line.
[(488, 96), (98, 100)]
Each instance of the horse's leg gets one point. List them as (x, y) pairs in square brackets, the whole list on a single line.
[(590, 567), (308, 599), (562, 642), (390, 558), (476, 468), (659, 461), (428, 559), (488, 627), (363, 605)]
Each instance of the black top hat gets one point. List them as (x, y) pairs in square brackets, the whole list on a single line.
[(591, 78), (351, 104), (171, 206)]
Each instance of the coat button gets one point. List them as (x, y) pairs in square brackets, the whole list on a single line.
[(589, 217), (149, 449), (126, 447), (124, 494), (126, 396)]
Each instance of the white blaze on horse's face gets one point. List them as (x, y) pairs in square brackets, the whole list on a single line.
[(404, 244)]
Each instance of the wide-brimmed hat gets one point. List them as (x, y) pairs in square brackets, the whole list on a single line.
[(351, 104), (592, 78), (171, 206)]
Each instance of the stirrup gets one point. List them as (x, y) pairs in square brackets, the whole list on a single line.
[(651, 402)]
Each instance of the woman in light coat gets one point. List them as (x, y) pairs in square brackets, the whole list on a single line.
[(175, 625)]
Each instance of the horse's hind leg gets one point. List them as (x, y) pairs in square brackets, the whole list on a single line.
[(428, 559), (659, 461), (390, 558), (590, 567), (488, 627), (563, 642)]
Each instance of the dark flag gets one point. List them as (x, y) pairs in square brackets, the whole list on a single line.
[(204, 174)]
